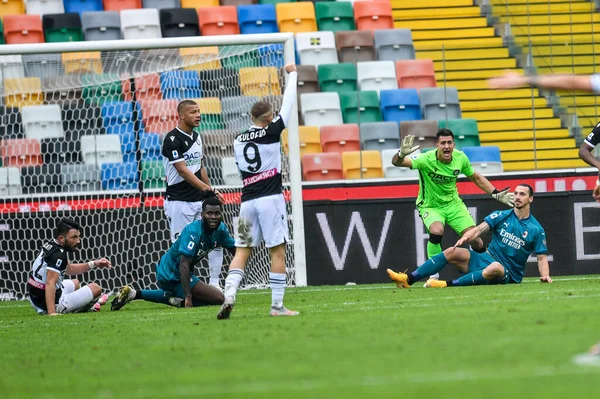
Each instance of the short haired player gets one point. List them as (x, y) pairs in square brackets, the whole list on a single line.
[(49, 292), (516, 234), (263, 214), (174, 272)]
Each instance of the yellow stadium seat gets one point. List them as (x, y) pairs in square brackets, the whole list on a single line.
[(296, 17), (209, 105), (367, 168), (259, 82), (12, 7), (23, 91), (199, 3), (200, 58), (310, 140), (82, 63)]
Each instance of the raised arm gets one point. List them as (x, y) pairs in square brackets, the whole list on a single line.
[(290, 93), (499, 195), (544, 268), (511, 80), (185, 266), (406, 148), (473, 234)]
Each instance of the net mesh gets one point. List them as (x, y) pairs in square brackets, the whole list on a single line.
[(81, 136)]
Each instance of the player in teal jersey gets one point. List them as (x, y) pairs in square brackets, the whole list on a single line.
[(178, 287), (516, 234), (438, 202)]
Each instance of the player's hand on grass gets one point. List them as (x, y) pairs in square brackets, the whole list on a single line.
[(546, 279), (289, 68), (54, 314), (103, 263), (504, 196), (407, 147), (188, 302)]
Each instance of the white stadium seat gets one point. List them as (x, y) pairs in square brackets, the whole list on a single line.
[(231, 174), (316, 48), (42, 121), (140, 24), (10, 181), (321, 109), (376, 75), (101, 149)]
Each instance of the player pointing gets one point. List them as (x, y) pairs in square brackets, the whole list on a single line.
[(516, 234), (263, 214)]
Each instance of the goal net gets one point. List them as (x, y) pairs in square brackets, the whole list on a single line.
[(81, 136)]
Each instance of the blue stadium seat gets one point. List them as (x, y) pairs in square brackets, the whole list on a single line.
[(179, 85), (117, 118), (400, 105), (259, 18), (83, 5), (120, 176), (482, 154), (271, 55), (150, 145)]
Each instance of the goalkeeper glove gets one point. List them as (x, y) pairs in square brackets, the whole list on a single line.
[(407, 147), (504, 196)]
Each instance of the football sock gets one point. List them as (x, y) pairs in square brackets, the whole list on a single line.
[(215, 263), (277, 282), (433, 249), (156, 296), (232, 282), (431, 266), (475, 278)]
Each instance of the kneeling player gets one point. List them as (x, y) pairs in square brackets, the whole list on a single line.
[(173, 274), (49, 292), (516, 234)]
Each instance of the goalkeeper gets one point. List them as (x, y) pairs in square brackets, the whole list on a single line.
[(438, 202)]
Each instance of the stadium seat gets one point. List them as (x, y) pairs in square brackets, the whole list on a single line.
[(179, 22), (325, 166), (160, 116), (259, 18), (60, 89), (439, 103), (259, 81), (20, 29), (117, 118), (10, 182), (424, 132), (150, 146), (147, 87), (308, 81), (237, 3), (42, 7), (220, 83), (400, 105), (355, 46), (394, 44), (340, 138), (360, 107), (199, 3), (376, 75), (119, 5), (236, 112), (334, 16), (218, 21), (80, 118), (271, 55), (248, 59), (43, 65), (80, 177), (11, 67), (12, 7), (153, 174), (211, 114), (296, 17), (484, 159), (415, 74), (10, 123), (97, 89), (180, 85), (160, 4), (101, 149), (373, 15), (218, 143), (231, 174), (466, 133), (200, 58), (316, 48), (120, 176), (391, 171), (41, 179), (337, 77), (82, 63), (82, 6), (21, 152), (101, 25), (140, 24), (321, 109), (62, 28), (379, 136), (362, 165), (310, 139), (1, 32), (22, 92), (42, 121)]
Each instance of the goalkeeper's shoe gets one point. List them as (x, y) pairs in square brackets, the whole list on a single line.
[(432, 283), (401, 279), (99, 303), (226, 308), (282, 311), (125, 295)]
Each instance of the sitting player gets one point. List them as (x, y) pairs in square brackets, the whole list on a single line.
[(49, 292), (516, 234), (173, 274)]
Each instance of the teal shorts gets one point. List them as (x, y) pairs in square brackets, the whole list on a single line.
[(479, 261), (174, 288)]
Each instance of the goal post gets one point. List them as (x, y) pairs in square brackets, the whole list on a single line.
[(121, 94)]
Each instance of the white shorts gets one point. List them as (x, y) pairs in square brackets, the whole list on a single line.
[(180, 214), (263, 218), (70, 301)]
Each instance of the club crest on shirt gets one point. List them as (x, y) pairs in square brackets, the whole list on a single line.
[(456, 172), (525, 234)]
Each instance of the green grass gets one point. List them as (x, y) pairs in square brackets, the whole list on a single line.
[(366, 341)]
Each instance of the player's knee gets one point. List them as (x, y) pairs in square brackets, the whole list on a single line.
[(436, 238), (76, 283), (96, 289), (495, 271)]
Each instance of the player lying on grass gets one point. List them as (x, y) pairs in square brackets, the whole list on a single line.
[(178, 287), (516, 234), (49, 292)]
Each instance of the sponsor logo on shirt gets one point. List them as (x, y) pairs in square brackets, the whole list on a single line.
[(193, 158), (512, 240), (259, 177), (441, 179)]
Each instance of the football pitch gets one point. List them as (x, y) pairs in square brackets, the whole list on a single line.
[(363, 341)]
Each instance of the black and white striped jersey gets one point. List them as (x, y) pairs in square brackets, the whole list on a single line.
[(52, 257), (593, 138), (178, 146)]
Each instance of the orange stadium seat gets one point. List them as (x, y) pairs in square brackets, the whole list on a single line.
[(23, 91), (373, 15), (325, 166), (118, 5), (159, 116), (218, 21), (19, 29), (199, 3), (415, 74), (12, 7), (340, 138), (362, 164), (259, 82), (296, 17), (21, 152), (82, 63), (147, 87)]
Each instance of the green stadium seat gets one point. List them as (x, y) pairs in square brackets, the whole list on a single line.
[(62, 28), (334, 16), (153, 174), (98, 89), (249, 59), (1, 32), (365, 103), (466, 133), (337, 78)]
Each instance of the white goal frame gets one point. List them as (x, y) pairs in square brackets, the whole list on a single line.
[(287, 39)]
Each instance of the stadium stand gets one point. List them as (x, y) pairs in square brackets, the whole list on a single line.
[(340, 138), (325, 166)]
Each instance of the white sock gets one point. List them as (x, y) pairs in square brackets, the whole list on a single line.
[(277, 282), (232, 282), (215, 263)]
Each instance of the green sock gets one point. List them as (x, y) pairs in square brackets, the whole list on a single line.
[(475, 278), (156, 296), (433, 249)]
